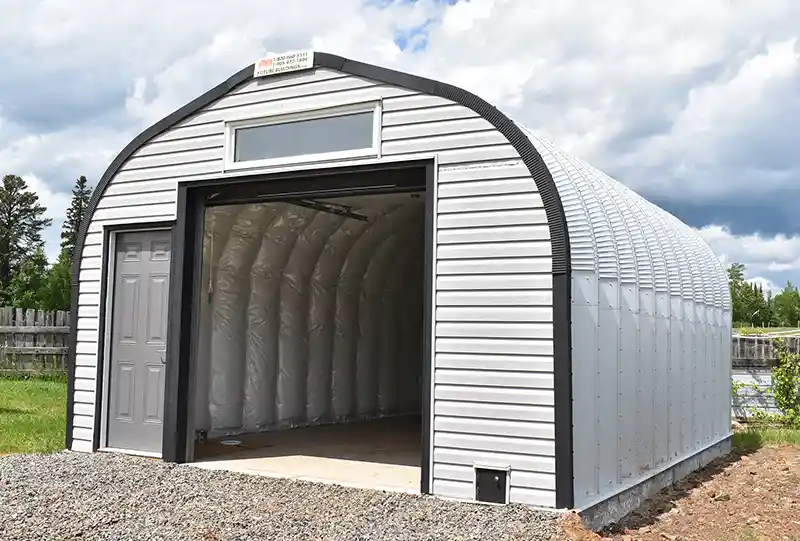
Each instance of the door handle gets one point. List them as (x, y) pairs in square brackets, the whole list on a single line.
[(162, 351)]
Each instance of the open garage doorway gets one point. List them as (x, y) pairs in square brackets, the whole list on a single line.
[(312, 318)]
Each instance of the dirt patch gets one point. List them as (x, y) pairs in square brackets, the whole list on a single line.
[(752, 497)]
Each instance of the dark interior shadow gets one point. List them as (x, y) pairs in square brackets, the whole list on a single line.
[(396, 440), (745, 443)]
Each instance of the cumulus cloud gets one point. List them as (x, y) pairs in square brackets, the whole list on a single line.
[(770, 261), (741, 127), (696, 105)]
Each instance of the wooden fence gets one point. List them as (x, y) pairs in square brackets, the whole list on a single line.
[(33, 341)]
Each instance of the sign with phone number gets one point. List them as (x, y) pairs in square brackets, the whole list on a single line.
[(282, 63)]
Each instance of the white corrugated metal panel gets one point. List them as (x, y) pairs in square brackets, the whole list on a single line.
[(629, 360), (413, 101), (650, 402), (697, 266), (482, 282), (492, 218), (448, 111), (643, 236), (511, 412), (493, 328), (285, 95), (497, 395), (86, 360), (495, 314), (523, 429), (648, 391), (511, 265), (469, 457), (493, 234), (82, 446), (83, 421), (84, 409), (537, 498), (474, 442), (493, 378), (494, 298), (517, 202), (587, 228), (494, 250), (584, 216), (583, 246), (509, 169)]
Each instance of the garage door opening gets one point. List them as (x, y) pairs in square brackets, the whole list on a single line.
[(311, 339)]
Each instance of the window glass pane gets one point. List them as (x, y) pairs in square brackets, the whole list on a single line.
[(330, 134)]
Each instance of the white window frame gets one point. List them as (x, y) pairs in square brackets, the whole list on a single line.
[(372, 151)]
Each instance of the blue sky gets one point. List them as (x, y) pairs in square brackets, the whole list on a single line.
[(695, 105)]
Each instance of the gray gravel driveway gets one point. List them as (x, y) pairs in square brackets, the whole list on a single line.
[(114, 497)]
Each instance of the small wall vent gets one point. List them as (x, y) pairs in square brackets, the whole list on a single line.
[(491, 485)]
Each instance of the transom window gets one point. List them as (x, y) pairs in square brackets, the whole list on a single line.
[(318, 136)]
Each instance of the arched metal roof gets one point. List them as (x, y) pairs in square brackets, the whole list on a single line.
[(618, 234)]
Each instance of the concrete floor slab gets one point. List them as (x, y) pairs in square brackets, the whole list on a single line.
[(382, 455)]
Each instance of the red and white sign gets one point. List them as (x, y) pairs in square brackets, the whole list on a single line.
[(281, 63)]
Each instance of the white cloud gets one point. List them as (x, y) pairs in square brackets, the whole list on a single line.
[(723, 118), (768, 260)]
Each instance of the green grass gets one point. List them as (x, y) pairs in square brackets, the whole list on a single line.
[(752, 438), (32, 415), (763, 330)]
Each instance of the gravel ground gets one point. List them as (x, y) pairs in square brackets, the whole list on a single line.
[(114, 497)]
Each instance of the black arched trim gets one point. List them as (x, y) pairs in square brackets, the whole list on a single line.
[(562, 354)]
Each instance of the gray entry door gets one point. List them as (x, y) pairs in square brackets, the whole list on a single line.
[(139, 341)]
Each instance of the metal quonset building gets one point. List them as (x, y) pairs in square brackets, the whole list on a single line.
[(319, 243)]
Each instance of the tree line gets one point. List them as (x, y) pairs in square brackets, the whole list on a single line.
[(753, 308), (27, 279)]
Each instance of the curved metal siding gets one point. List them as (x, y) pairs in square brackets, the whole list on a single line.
[(623, 318), (648, 390), (579, 210), (677, 262), (590, 319), (650, 320), (718, 343)]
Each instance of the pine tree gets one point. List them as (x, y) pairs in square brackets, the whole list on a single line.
[(81, 193), (21, 226)]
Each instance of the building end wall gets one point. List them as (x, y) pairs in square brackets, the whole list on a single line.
[(501, 414), (618, 506)]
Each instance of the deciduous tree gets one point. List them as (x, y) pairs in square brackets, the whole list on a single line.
[(27, 289), (56, 295), (21, 223)]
